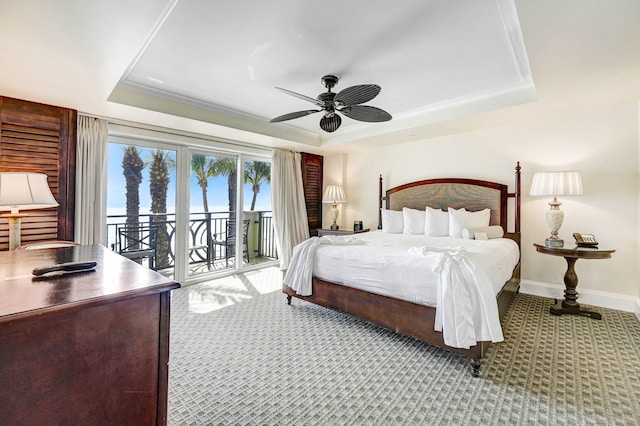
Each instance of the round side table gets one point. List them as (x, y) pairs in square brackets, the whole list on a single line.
[(570, 304)]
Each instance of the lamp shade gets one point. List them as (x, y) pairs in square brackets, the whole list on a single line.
[(556, 183), (334, 194), (25, 191)]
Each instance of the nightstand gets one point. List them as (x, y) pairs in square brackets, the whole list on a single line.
[(323, 232), (571, 254)]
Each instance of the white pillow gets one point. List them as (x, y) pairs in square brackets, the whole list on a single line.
[(392, 221), (491, 232), (461, 218), (413, 221), (436, 223)]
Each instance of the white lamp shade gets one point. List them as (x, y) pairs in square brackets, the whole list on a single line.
[(334, 194), (25, 191), (556, 183)]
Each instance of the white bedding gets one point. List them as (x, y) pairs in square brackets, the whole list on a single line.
[(460, 278), (382, 264)]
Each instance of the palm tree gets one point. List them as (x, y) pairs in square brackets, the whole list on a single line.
[(256, 172), (227, 167), (132, 166), (203, 170), (159, 180)]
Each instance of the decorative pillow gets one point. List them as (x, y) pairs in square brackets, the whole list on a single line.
[(494, 231), (436, 223), (461, 218), (392, 221), (413, 221)]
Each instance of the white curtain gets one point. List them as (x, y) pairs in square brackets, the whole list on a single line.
[(91, 159), (287, 199)]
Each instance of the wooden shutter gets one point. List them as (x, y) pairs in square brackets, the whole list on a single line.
[(312, 182), (40, 138)]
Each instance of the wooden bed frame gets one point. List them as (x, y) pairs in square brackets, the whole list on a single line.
[(408, 318)]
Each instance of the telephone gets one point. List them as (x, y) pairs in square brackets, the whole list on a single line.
[(585, 240)]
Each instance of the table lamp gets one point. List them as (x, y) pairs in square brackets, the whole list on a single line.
[(22, 191), (334, 194), (556, 183)]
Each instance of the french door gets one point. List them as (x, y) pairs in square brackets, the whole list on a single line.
[(216, 215), (141, 203), (213, 213)]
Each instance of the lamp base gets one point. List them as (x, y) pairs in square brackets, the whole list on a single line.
[(15, 220), (554, 242), (334, 216)]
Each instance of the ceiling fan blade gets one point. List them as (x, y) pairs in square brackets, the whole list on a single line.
[(293, 115), (330, 123), (299, 96), (355, 95), (366, 113)]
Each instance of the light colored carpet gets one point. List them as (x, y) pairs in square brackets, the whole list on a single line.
[(240, 355)]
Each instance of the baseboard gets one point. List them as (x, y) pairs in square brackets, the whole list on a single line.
[(586, 296)]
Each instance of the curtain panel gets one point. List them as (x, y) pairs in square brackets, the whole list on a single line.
[(91, 149), (287, 199)]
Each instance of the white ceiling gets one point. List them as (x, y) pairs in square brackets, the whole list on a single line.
[(227, 57), (211, 66)]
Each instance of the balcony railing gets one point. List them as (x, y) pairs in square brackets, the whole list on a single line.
[(206, 232)]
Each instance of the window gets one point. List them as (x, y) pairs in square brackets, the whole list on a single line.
[(183, 204)]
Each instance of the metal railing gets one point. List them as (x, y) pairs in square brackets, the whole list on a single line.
[(206, 231), (266, 235)]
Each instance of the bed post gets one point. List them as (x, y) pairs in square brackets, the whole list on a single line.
[(517, 195), (380, 202), (476, 363)]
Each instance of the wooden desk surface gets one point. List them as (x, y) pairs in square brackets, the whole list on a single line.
[(114, 278)]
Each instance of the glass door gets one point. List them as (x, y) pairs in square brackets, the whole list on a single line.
[(141, 202), (259, 238), (212, 213), (186, 212)]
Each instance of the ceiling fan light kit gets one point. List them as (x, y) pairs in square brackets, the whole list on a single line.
[(347, 102)]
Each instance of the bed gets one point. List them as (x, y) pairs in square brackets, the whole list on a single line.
[(408, 314)]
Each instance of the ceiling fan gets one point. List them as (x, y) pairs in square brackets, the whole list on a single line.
[(346, 102)]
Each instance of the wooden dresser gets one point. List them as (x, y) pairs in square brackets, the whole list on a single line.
[(86, 347)]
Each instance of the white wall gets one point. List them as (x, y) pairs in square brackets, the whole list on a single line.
[(601, 143), (334, 173)]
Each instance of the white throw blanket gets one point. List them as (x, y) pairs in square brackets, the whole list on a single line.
[(467, 310), (299, 274)]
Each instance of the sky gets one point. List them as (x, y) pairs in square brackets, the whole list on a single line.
[(216, 194)]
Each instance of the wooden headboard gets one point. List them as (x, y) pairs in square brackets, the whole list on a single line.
[(456, 193)]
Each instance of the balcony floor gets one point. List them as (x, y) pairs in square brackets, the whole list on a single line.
[(218, 266)]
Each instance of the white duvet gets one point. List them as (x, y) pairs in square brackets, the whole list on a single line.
[(410, 267)]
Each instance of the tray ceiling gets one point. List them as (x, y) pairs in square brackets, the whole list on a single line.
[(219, 62)]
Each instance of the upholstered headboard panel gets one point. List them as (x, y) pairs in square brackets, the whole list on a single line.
[(472, 195)]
